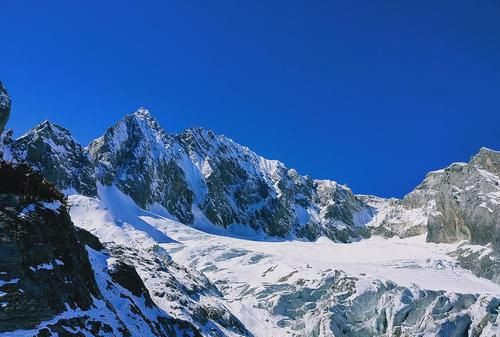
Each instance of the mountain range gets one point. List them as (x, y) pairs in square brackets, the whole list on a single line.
[(161, 219)]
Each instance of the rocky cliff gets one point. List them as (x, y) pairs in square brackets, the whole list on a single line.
[(4, 107), (458, 203)]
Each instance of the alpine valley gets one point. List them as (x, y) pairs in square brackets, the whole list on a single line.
[(150, 233)]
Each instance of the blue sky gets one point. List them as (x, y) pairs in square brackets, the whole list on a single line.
[(369, 93)]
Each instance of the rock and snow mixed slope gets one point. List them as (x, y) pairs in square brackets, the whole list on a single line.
[(198, 177), (460, 202), (143, 192), (375, 287), (201, 178), (127, 233), (56, 280), (455, 204)]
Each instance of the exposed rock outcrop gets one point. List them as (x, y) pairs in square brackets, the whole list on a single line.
[(5, 103), (44, 268), (458, 203)]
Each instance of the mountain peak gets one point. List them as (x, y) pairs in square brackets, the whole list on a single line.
[(49, 129), (145, 120), (138, 134), (45, 123), (143, 112), (487, 159), (487, 151)]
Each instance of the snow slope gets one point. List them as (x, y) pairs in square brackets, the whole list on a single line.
[(284, 288), (130, 235)]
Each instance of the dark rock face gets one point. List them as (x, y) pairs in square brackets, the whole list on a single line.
[(126, 276), (51, 150), (21, 183), (240, 187), (133, 155), (5, 103), (44, 266), (464, 201), (89, 239), (460, 202)]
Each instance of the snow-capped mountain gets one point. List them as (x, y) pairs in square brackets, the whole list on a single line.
[(197, 177), (50, 149), (200, 178), (182, 235)]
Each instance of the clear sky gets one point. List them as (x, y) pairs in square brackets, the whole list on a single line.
[(369, 93)]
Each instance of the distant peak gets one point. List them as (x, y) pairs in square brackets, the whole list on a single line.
[(143, 112), (485, 152), (140, 122), (47, 123), (488, 150), (49, 128), (144, 116), (487, 159)]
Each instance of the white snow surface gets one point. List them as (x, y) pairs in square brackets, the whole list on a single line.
[(236, 265), (407, 262)]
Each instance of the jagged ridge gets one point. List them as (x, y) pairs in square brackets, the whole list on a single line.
[(196, 176)]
